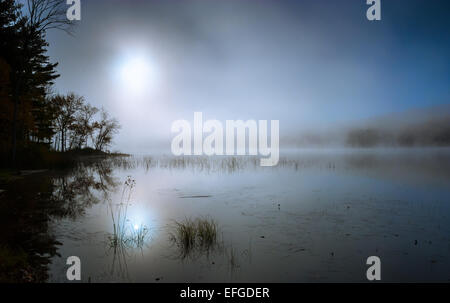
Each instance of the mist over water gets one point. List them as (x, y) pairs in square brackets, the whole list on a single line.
[(314, 217), (320, 68)]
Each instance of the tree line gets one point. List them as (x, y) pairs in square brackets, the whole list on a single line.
[(31, 114), (75, 125), (428, 133)]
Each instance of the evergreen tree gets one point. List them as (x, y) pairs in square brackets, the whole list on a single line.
[(28, 75)]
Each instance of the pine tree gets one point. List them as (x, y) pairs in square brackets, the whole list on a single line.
[(27, 75)]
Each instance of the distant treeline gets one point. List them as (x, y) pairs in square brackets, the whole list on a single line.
[(425, 127), (32, 117), (428, 133)]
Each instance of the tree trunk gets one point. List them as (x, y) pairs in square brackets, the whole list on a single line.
[(62, 140), (14, 127)]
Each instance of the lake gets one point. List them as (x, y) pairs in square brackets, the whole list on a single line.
[(316, 217)]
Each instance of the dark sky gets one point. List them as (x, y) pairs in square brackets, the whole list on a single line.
[(306, 63)]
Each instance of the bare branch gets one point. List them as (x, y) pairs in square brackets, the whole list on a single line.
[(49, 14)]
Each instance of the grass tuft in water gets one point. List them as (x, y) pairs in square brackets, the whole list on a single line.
[(194, 236)]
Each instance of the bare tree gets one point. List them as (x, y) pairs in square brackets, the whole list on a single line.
[(106, 128), (67, 107), (83, 127), (49, 14)]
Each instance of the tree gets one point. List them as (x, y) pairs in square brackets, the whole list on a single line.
[(83, 126), (74, 123), (29, 113), (106, 128), (23, 48), (44, 113), (67, 107), (9, 43), (44, 15)]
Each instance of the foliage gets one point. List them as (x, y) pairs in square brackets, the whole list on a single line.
[(31, 117)]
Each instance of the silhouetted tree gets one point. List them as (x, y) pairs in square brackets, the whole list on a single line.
[(83, 127), (30, 114), (106, 128), (48, 14), (75, 123), (30, 73), (67, 107)]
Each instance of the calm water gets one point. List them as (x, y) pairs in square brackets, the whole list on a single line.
[(317, 216)]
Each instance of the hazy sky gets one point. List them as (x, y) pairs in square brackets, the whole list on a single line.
[(306, 63)]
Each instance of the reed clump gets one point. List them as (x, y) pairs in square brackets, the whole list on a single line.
[(195, 236)]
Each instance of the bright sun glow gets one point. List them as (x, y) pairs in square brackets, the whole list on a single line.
[(136, 227), (136, 75)]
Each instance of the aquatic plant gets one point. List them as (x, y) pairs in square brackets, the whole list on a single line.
[(139, 235), (124, 233), (194, 236)]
